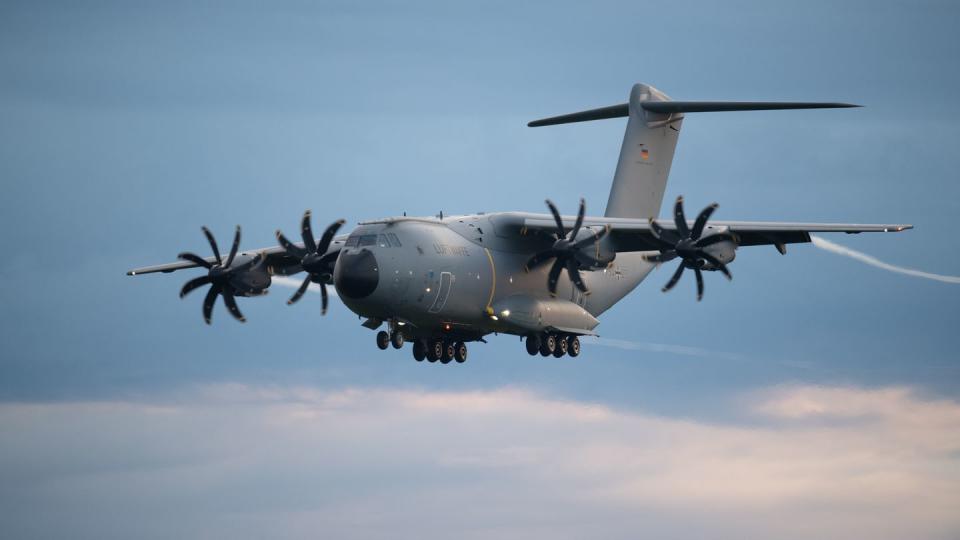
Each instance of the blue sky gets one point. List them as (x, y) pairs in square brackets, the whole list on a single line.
[(127, 126)]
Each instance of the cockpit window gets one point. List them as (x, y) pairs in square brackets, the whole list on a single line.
[(383, 242), (368, 240), (352, 241), (394, 241)]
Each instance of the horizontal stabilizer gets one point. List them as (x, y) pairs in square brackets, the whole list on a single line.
[(668, 107), (720, 106), (613, 111)]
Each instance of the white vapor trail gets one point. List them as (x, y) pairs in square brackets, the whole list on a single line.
[(826, 245), (294, 283), (682, 350)]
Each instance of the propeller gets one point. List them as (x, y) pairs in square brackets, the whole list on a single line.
[(218, 276), (688, 245), (313, 257), (567, 251)]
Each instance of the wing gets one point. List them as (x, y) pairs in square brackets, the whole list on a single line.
[(277, 260), (635, 235)]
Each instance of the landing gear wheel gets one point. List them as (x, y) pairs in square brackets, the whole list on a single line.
[(561, 347), (548, 345), (419, 350), (449, 352), (533, 345), (396, 339), (436, 351), (383, 340), (460, 354), (573, 346)]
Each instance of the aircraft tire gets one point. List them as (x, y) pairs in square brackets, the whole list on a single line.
[(548, 345), (573, 346), (396, 339), (436, 351), (419, 350), (383, 340), (449, 352), (460, 355), (533, 344), (561, 349)]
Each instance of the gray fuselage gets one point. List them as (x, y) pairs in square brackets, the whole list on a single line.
[(455, 275)]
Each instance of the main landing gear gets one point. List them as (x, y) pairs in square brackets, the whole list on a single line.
[(438, 349), (431, 350), (557, 345)]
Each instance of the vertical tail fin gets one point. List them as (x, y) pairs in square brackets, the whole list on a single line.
[(645, 157), (653, 128)]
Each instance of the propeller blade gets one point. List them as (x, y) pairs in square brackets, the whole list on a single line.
[(556, 217), (701, 221), (193, 284), (680, 219), (325, 299), (306, 232), (303, 288), (673, 280), (233, 248), (716, 262), (592, 239), (328, 236), (291, 249), (579, 222), (213, 244), (195, 259), (666, 256), (554, 276), (663, 237), (574, 274), (539, 258), (699, 283), (714, 239), (208, 302), (231, 304)]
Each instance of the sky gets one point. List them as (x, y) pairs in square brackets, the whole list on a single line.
[(812, 396)]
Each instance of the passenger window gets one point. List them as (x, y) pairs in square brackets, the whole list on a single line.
[(368, 240), (383, 242), (394, 241)]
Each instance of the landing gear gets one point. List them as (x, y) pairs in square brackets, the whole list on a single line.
[(460, 354), (383, 340), (573, 346), (533, 344), (561, 348), (548, 345), (396, 339), (419, 350)]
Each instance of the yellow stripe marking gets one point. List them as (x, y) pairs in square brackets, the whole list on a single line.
[(493, 280)]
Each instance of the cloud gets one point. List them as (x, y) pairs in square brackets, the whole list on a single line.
[(827, 245), (234, 460)]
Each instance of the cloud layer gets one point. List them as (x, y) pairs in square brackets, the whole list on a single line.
[(232, 460)]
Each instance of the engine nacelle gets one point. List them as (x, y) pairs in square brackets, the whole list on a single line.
[(253, 282), (725, 251)]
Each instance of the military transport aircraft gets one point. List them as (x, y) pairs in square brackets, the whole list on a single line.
[(441, 282)]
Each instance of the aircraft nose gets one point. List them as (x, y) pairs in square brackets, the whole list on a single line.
[(357, 274)]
